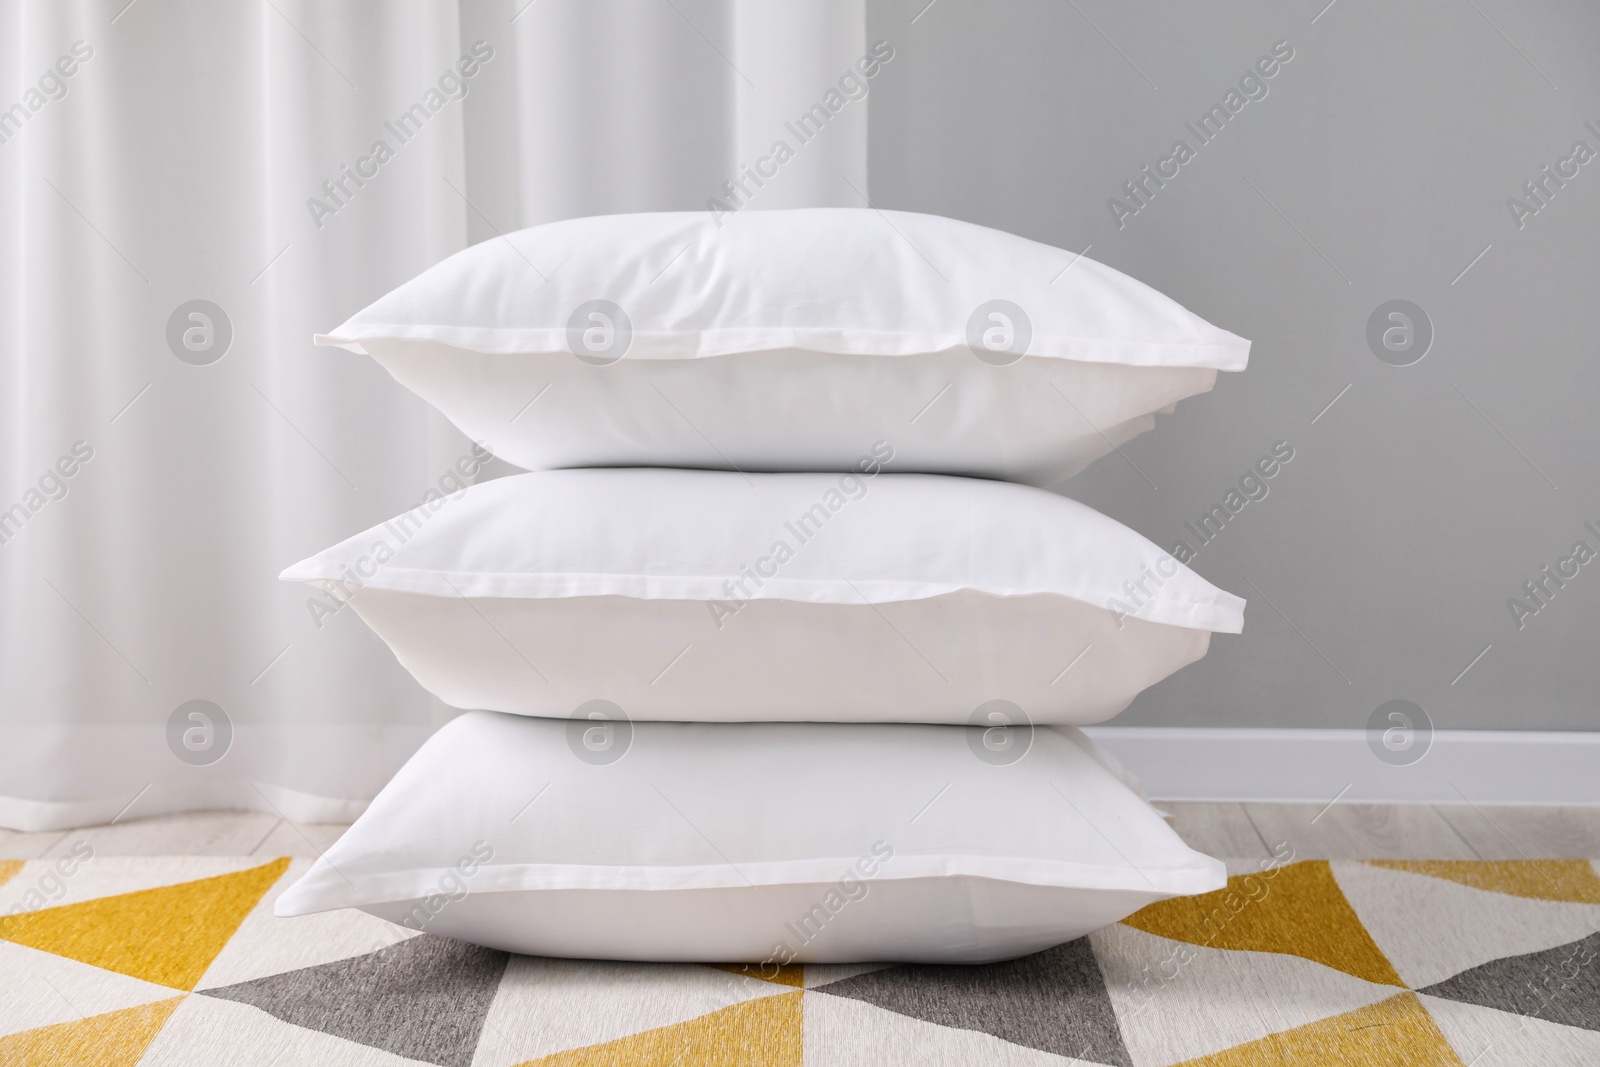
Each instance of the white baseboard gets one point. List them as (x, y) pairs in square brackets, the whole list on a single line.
[(30, 816), (1315, 766)]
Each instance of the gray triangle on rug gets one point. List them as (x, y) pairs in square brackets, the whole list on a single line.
[(1054, 1000), (424, 998), (1558, 985)]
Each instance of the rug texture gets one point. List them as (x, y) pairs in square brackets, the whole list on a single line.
[(109, 961)]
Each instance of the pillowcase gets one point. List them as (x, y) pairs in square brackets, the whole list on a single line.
[(764, 843), (722, 596), (790, 340)]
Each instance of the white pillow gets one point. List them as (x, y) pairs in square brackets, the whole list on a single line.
[(790, 340), (766, 843), (719, 596)]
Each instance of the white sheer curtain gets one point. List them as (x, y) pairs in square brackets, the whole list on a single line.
[(152, 484)]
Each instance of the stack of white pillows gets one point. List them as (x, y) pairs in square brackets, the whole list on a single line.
[(780, 648)]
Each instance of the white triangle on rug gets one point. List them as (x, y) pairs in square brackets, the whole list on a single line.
[(204, 1030), (547, 1005), (1431, 928), (843, 1032), (1176, 1001), (42, 989), (1487, 1037), (265, 944), (818, 974)]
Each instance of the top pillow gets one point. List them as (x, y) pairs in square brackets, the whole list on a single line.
[(760, 344)]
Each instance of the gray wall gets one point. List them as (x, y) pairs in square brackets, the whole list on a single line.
[(1378, 167)]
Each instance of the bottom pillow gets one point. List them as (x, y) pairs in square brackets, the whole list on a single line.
[(763, 843)]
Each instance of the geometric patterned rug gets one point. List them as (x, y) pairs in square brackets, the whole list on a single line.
[(111, 961)]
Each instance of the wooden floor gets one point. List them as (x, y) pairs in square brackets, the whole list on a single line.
[(1231, 831)]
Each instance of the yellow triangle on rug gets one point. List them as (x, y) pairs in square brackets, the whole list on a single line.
[(1397, 1032), (767, 1031), (115, 1039), (1299, 910), (9, 869), (787, 974), (168, 935), (1569, 881)]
